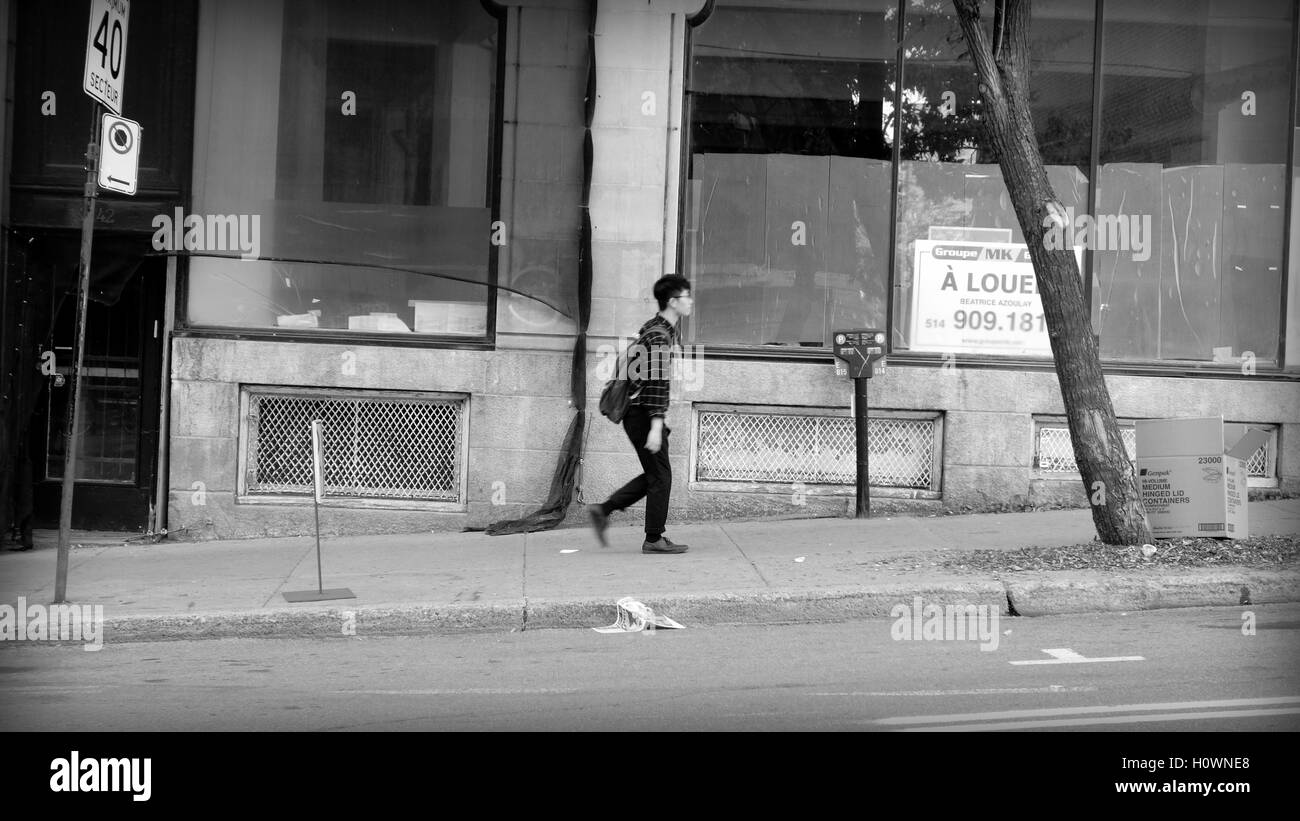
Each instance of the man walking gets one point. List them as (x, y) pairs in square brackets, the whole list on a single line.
[(650, 364)]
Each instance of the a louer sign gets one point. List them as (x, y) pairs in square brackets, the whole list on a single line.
[(977, 298)]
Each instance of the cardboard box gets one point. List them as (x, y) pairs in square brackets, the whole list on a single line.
[(377, 321), (444, 317), (311, 319), (1191, 484)]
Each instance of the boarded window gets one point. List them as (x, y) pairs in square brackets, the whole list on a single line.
[(788, 190), (1194, 126)]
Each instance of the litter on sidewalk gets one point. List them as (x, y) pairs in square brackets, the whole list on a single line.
[(635, 616)]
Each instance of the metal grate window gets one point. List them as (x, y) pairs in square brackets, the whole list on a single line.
[(1257, 464), (1055, 452), (815, 449), (1056, 449), (376, 447)]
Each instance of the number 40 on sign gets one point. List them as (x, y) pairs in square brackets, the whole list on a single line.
[(106, 52)]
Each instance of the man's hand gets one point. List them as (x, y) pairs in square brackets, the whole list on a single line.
[(655, 440)]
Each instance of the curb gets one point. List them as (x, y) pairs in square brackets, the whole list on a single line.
[(334, 622), (706, 609), (1098, 593), (1035, 596), (768, 606)]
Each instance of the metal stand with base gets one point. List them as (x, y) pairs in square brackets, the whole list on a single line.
[(318, 471)]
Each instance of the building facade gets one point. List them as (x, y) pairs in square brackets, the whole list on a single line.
[(430, 224)]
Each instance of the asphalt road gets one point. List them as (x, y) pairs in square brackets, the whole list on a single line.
[(1198, 671)]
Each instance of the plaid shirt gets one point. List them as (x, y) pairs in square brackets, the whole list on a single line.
[(650, 362)]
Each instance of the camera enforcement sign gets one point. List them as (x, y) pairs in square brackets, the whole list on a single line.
[(859, 350), (119, 154), (106, 52)]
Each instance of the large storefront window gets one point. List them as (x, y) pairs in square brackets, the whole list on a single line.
[(964, 284), (348, 159), (1292, 362), (1195, 108), (787, 227), (792, 127)]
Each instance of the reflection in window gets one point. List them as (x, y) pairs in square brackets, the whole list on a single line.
[(952, 201), (110, 432), (789, 171), (384, 151), (1194, 115), (372, 152)]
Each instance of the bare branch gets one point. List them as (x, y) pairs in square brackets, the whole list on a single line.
[(968, 17), (999, 12), (1013, 44)]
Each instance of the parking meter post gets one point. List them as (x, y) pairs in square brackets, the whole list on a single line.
[(860, 427), (858, 349)]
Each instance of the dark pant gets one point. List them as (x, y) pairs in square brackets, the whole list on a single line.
[(656, 481)]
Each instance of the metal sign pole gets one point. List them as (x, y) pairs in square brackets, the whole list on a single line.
[(72, 437), (858, 350), (320, 578), (317, 491), (860, 428)]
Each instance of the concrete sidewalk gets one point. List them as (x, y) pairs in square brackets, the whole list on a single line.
[(741, 572)]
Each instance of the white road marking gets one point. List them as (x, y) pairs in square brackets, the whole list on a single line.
[(1051, 688), (1064, 655), (463, 691), (1082, 722), (1065, 711), (54, 688)]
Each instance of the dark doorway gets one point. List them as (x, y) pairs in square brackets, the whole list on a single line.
[(118, 453), (116, 473)]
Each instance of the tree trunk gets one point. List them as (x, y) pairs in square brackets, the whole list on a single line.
[(1003, 70)]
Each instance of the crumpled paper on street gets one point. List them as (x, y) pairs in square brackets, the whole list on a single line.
[(635, 616)]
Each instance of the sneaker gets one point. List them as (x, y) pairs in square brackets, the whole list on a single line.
[(599, 522), (664, 545)]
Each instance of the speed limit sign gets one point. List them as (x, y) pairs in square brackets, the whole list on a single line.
[(106, 52)]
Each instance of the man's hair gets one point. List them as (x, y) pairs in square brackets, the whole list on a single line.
[(670, 286)]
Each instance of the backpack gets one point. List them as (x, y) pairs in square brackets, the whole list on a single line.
[(618, 393)]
